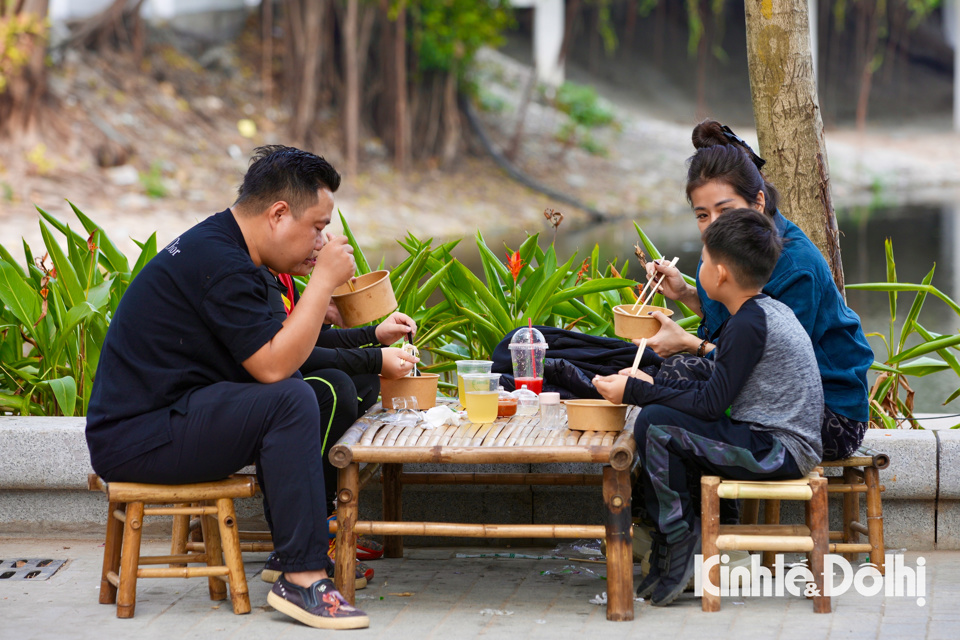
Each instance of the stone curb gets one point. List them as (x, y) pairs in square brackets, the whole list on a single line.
[(44, 465)]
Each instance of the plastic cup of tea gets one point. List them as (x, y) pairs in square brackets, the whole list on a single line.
[(482, 396), (528, 349), (470, 366)]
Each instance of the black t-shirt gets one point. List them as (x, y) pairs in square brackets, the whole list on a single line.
[(188, 320)]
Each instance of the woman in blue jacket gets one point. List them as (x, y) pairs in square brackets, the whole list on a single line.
[(724, 174)]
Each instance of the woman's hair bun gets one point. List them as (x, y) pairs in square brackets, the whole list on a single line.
[(708, 133)]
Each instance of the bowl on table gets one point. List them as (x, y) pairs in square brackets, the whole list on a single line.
[(595, 415), (422, 387)]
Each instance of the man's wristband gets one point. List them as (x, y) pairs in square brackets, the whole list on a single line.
[(702, 348)]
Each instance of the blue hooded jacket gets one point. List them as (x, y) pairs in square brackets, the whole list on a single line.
[(803, 281)]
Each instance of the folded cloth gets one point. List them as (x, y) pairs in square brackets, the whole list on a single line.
[(573, 359)]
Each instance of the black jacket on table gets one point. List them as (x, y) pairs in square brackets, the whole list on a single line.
[(341, 349)]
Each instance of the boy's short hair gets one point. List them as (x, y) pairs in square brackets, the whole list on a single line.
[(284, 173), (745, 241)]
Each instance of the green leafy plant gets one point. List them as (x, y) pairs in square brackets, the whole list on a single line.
[(891, 396), (152, 181), (55, 314)]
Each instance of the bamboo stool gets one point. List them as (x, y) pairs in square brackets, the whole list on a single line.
[(861, 474), (812, 538), (213, 501)]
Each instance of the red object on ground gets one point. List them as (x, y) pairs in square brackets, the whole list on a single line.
[(533, 384)]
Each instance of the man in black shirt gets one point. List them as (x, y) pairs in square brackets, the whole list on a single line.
[(197, 379)]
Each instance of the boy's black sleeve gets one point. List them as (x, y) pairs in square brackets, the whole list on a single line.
[(348, 338), (739, 350), (351, 361)]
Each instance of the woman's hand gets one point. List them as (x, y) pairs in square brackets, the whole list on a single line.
[(673, 287), (396, 363), (398, 325), (671, 338)]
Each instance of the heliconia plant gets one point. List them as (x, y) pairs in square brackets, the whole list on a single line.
[(55, 314)]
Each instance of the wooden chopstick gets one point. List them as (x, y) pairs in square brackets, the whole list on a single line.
[(653, 291), (636, 359)]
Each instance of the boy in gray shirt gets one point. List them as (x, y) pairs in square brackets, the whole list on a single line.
[(765, 371)]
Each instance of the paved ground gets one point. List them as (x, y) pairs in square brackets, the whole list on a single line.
[(432, 594)]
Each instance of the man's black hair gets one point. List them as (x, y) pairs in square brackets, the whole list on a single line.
[(745, 241), (284, 173)]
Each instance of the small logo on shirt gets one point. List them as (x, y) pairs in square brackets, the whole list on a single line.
[(173, 248)]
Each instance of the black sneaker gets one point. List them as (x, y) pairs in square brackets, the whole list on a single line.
[(658, 565), (272, 571), (680, 567), (320, 606)]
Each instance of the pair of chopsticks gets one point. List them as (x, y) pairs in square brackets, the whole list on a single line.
[(653, 291)]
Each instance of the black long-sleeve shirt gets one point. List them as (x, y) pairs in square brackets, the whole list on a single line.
[(765, 372)]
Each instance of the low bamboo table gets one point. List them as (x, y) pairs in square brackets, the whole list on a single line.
[(516, 440)]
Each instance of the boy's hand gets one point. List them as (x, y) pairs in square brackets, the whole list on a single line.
[(639, 375), (333, 315), (671, 338), (398, 325), (611, 387), (396, 363)]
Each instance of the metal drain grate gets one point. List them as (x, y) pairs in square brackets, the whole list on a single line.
[(29, 568)]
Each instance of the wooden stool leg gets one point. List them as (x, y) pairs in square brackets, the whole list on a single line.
[(111, 553), (616, 502), (230, 539), (851, 512), (130, 560), (710, 529), (750, 514), (771, 515), (818, 521), (213, 552), (871, 476), (179, 535), (392, 508), (347, 509)]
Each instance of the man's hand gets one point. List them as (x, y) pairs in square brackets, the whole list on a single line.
[(671, 338), (335, 263), (396, 363), (398, 325), (611, 387)]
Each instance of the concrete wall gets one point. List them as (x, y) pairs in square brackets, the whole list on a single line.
[(44, 465)]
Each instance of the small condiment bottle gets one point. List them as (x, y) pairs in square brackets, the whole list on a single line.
[(550, 410), (527, 401)]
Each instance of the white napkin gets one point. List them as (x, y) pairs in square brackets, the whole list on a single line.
[(440, 415)]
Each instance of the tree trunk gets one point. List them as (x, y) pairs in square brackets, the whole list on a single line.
[(27, 85), (266, 62), (789, 125), (402, 145), (305, 26), (451, 118), (351, 108)]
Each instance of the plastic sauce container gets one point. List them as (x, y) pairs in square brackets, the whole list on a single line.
[(550, 410)]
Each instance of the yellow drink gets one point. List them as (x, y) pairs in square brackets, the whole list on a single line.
[(460, 392), (482, 406)]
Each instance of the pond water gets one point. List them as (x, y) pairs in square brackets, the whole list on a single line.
[(923, 234)]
